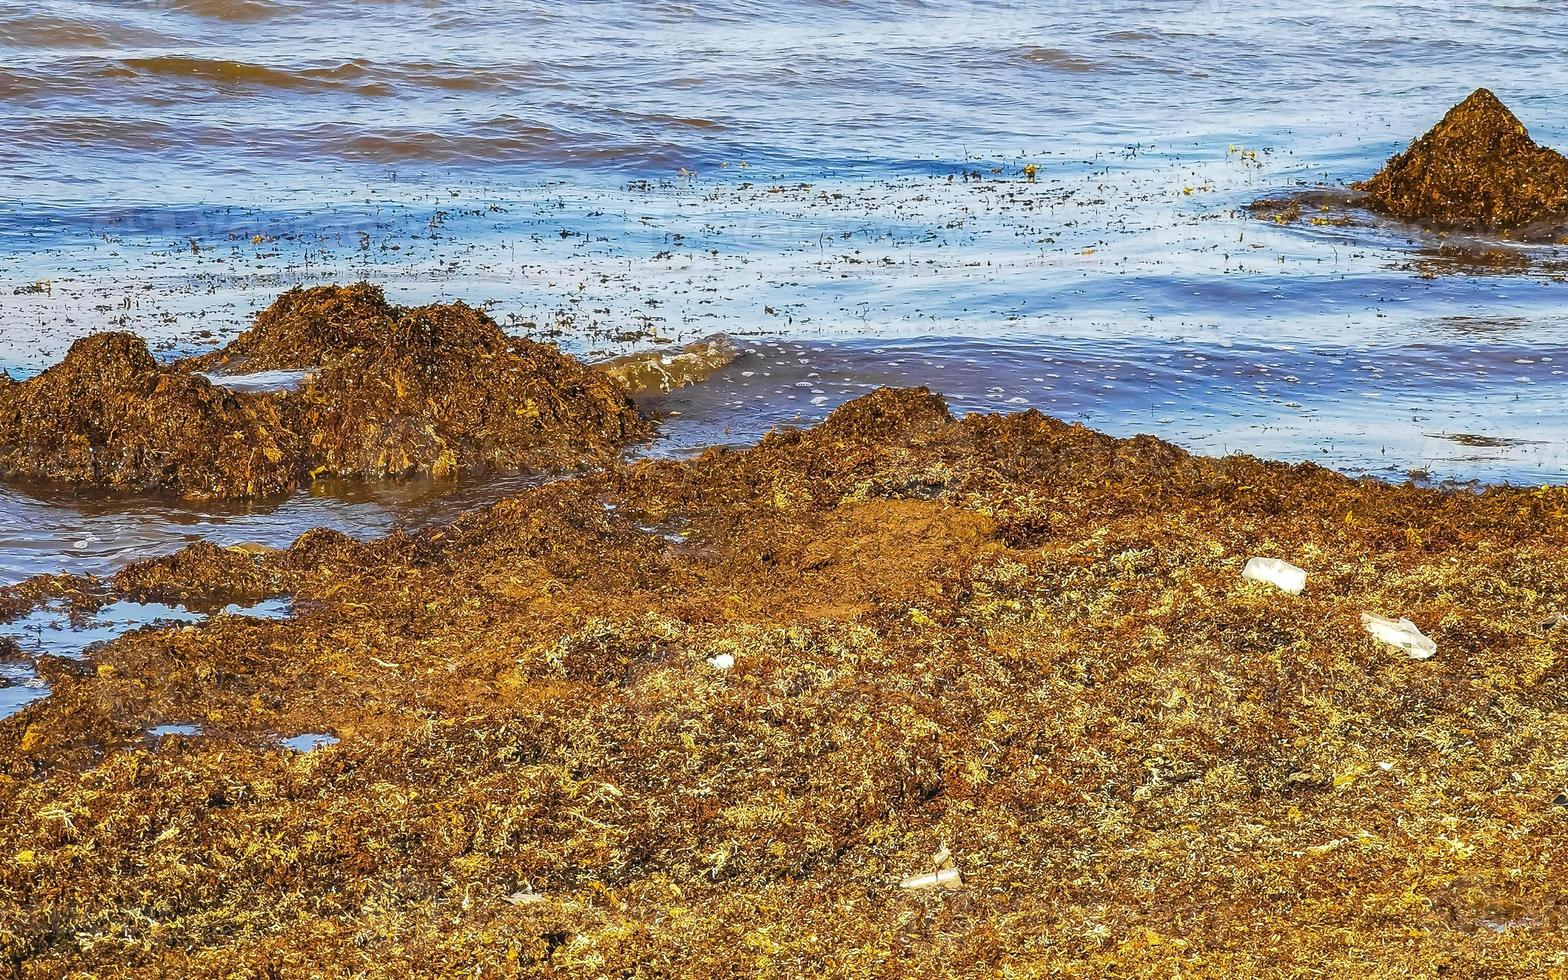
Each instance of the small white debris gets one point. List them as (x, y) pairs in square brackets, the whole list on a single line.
[(723, 661), (1276, 572), (1402, 634), (526, 897), (945, 876)]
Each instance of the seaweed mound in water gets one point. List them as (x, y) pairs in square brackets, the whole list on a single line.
[(1476, 170), (392, 391), (304, 328), (110, 415), (441, 388)]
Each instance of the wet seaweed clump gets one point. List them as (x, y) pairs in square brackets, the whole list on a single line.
[(387, 390), (109, 415), (436, 389), (1476, 170), (656, 372), (900, 694), (306, 327)]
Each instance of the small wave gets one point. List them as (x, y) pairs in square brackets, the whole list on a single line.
[(499, 140), (226, 72), (464, 77), (664, 119), (102, 132), (46, 30), (429, 146), (505, 139), (237, 11), (1136, 36), (16, 84), (81, 76), (1058, 59)]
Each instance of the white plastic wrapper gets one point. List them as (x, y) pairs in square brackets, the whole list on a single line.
[(1276, 572), (1402, 634)]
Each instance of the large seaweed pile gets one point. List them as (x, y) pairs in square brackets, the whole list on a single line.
[(1476, 170), (436, 389), (390, 391), (109, 415), (306, 327), (702, 719)]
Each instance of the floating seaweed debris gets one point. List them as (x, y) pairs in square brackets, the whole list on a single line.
[(111, 416), (657, 371), (1477, 171), (305, 328)]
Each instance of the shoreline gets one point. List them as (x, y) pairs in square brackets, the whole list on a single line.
[(1470, 403)]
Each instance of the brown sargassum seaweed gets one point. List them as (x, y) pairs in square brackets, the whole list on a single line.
[(1016, 637), (1476, 170), (111, 416), (391, 391)]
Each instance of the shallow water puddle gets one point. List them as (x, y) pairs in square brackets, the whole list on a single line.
[(46, 530), (303, 744), (20, 686), (51, 631), (310, 742), (266, 609), (163, 731)]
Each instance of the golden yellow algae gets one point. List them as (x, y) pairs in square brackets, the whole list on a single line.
[(1018, 643)]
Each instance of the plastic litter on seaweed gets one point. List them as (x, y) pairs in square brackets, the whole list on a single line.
[(1276, 572), (1401, 634)]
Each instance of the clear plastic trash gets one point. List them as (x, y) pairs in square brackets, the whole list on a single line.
[(1401, 634), (941, 878)]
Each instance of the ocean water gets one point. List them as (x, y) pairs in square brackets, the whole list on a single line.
[(840, 186)]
